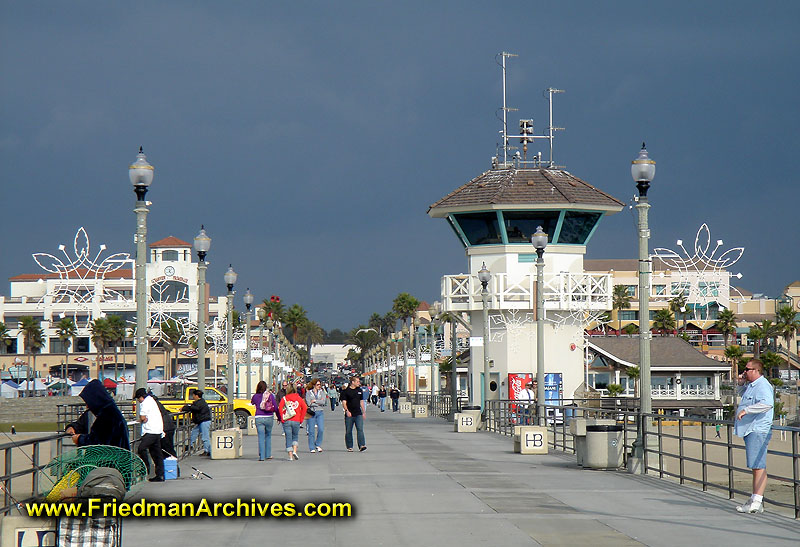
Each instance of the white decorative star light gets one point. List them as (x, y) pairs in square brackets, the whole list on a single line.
[(78, 276), (703, 277), (515, 323)]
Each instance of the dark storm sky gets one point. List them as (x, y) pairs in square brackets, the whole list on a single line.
[(310, 137)]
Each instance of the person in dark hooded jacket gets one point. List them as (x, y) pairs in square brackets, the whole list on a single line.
[(109, 426)]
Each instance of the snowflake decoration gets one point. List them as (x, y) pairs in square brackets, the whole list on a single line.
[(511, 322), (703, 277), (78, 274)]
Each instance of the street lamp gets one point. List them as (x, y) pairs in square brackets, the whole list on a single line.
[(141, 176), (643, 169), (484, 276), (404, 333), (202, 243), (539, 241), (435, 310), (248, 302), (270, 324), (230, 280)]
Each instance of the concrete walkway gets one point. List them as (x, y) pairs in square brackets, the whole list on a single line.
[(419, 483)]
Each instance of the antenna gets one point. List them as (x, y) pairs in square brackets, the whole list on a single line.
[(503, 56), (526, 126), (550, 128)]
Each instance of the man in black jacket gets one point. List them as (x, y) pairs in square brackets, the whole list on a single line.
[(109, 427), (168, 441), (201, 417)]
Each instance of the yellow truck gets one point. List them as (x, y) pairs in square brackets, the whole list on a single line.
[(177, 395)]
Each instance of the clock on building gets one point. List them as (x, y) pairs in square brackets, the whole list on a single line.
[(169, 270)]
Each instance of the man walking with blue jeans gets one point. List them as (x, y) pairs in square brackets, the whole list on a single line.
[(754, 424), (354, 405), (201, 417)]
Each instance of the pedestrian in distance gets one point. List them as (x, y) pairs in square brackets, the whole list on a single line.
[(201, 418), (292, 409), (754, 423), (382, 397), (316, 400), (394, 395), (354, 404), (716, 429), (374, 392), (152, 431), (266, 406), (333, 395)]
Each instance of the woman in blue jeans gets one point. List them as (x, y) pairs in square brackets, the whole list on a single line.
[(265, 404), (316, 399), (292, 409)]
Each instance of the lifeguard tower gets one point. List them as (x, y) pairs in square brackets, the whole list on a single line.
[(494, 217)]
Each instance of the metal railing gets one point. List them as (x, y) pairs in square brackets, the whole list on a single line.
[(22, 458), (441, 405), (683, 449)]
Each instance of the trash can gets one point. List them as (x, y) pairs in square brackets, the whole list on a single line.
[(475, 412), (604, 448)]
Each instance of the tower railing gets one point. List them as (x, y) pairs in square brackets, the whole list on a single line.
[(562, 291)]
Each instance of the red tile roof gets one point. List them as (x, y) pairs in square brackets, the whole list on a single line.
[(82, 272), (170, 241)]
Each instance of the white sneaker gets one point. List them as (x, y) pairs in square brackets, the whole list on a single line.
[(751, 507)]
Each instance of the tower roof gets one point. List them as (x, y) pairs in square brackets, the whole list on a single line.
[(170, 241), (522, 189)]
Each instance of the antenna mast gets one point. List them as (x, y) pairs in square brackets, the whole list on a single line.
[(506, 110), (526, 125)]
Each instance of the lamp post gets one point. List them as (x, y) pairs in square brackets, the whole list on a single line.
[(436, 308), (484, 276), (230, 280), (202, 243), (248, 302), (643, 169), (404, 333), (539, 241), (270, 324), (416, 367), (141, 176)]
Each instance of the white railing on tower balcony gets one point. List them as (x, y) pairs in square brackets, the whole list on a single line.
[(562, 291)]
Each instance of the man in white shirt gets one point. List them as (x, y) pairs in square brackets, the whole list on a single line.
[(152, 431), (529, 396)]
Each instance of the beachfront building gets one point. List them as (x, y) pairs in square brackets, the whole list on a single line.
[(85, 284)]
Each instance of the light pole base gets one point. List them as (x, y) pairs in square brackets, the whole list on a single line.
[(635, 465)]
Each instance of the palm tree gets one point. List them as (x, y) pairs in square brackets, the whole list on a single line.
[(294, 318), (363, 339), (634, 373), (171, 335), (66, 330), (733, 354), (631, 329), (117, 332), (620, 300), (312, 334), (664, 321), (100, 334), (404, 307), (274, 306), (33, 338), (5, 337), (761, 334), (726, 323), (383, 323), (788, 326), (677, 305)]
